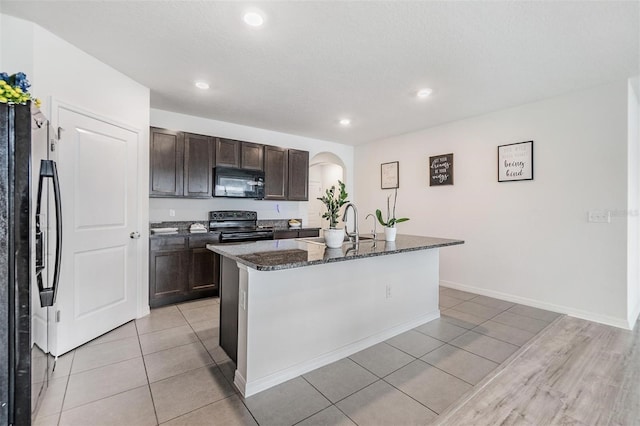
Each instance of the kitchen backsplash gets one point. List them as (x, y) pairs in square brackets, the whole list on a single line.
[(198, 210)]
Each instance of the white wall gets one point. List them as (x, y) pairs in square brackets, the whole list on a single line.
[(191, 209), (525, 241), (16, 46), (61, 73), (633, 210)]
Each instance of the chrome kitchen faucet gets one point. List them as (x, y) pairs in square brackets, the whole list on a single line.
[(353, 237)]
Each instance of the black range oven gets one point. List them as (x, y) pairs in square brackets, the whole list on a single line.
[(238, 226)]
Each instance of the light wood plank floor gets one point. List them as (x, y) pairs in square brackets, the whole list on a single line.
[(576, 372)]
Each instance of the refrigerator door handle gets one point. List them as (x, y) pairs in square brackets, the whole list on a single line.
[(48, 170)]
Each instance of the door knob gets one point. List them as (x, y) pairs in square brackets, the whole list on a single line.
[(134, 235)]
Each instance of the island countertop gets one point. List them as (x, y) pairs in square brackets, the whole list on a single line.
[(276, 255)]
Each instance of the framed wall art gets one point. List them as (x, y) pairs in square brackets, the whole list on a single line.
[(389, 175), (441, 170), (515, 162)]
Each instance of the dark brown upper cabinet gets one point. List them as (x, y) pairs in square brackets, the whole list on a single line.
[(298, 175), (181, 165), (166, 163), (275, 173), (198, 165), (251, 155), (227, 153)]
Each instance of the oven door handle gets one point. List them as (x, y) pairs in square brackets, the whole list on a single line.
[(246, 235)]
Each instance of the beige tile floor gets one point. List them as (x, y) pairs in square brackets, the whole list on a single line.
[(167, 368)]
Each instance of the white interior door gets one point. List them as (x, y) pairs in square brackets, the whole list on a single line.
[(97, 166)]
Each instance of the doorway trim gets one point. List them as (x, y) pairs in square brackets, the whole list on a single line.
[(142, 222)]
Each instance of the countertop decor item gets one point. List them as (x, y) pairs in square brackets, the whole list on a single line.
[(389, 175), (14, 89), (515, 162), (197, 228), (333, 202), (390, 223)]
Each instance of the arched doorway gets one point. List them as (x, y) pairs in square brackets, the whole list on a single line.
[(325, 170)]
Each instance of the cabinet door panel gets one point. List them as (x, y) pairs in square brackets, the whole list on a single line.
[(166, 163), (198, 165), (204, 270), (167, 273), (275, 171), (251, 156), (298, 175), (227, 153)]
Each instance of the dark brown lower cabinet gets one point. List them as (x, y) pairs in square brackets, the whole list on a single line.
[(204, 269), (181, 269), (168, 270)]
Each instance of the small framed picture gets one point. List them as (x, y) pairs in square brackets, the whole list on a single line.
[(389, 175), (441, 170), (515, 162)]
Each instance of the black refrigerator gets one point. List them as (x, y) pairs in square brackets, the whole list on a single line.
[(30, 243)]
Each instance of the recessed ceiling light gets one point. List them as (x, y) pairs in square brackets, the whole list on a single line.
[(345, 122), (202, 85), (424, 93), (253, 19)]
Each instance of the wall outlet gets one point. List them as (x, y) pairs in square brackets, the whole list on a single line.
[(172, 213), (599, 216), (388, 291)]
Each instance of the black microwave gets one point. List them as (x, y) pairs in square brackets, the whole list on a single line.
[(238, 183)]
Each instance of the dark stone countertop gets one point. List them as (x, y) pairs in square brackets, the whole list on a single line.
[(304, 228), (276, 255), (181, 233), (183, 228)]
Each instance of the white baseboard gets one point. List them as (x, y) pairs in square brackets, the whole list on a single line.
[(143, 311), (633, 318), (577, 313), (251, 388), (240, 382)]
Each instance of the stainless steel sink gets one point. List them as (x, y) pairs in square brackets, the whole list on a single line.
[(320, 240)]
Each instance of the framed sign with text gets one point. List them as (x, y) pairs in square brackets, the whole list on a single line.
[(389, 175), (441, 170), (515, 162)]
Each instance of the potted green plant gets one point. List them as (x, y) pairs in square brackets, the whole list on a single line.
[(390, 223), (333, 237)]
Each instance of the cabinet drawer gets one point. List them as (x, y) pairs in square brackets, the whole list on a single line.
[(171, 243), (201, 242), (306, 233)]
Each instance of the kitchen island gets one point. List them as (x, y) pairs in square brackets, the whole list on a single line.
[(292, 306)]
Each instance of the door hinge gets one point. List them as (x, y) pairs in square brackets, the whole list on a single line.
[(57, 316)]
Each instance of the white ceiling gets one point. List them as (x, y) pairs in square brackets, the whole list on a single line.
[(313, 63)]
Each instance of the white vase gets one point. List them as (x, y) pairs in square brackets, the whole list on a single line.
[(333, 237), (389, 234)]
